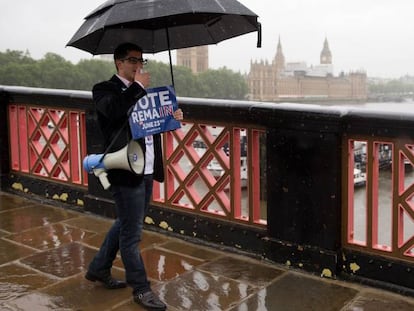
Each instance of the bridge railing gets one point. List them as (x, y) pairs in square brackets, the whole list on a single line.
[(272, 180)]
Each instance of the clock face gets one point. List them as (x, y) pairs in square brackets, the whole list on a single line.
[(324, 58)]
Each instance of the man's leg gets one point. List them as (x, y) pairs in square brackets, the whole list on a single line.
[(130, 203), (135, 203), (100, 267)]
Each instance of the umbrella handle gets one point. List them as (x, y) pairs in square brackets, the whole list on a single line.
[(259, 35), (169, 55)]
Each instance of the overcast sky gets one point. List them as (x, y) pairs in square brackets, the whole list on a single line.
[(376, 36)]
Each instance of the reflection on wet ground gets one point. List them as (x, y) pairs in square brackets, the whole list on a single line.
[(45, 250)]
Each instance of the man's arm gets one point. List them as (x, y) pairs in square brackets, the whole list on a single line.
[(113, 102)]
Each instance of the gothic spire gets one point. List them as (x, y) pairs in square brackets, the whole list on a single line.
[(279, 58), (326, 55)]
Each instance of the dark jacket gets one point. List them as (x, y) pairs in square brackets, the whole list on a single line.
[(113, 100)]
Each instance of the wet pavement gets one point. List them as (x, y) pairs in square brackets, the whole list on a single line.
[(44, 251)]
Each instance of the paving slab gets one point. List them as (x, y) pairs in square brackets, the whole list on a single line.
[(293, 292), (366, 301), (8, 202), (10, 251), (90, 223), (192, 250), (29, 217)]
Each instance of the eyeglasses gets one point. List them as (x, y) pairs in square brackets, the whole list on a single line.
[(135, 60)]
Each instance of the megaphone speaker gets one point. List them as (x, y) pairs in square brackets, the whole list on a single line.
[(130, 158)]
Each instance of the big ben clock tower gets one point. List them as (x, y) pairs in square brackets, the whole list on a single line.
[(326, 56)]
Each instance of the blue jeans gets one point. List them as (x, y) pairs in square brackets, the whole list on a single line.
[(125, 234)]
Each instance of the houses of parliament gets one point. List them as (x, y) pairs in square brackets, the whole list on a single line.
[(281, 81), (290, 81)]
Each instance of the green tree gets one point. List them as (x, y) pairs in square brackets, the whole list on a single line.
[(92, 71), (395, 86), (12, 56), (185, 81), (160, 73), (56, 72), (222, 83), (17, 68)]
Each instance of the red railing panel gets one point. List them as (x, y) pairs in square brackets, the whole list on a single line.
[(380, 213), (48, 142), (207, 171), (14, 137)]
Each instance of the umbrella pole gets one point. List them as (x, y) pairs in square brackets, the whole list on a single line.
[(171, 68), (169, 55)]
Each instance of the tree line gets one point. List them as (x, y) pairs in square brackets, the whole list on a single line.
[(53, 71), (403, 85)]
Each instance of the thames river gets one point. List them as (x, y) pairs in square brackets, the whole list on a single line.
[(407, 105)]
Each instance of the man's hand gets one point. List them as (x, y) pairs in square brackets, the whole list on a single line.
[(178, 114), (143, 77)]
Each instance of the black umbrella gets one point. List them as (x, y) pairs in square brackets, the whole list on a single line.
[(161, 25)]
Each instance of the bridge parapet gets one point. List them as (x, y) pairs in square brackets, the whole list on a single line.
[(271, 180)]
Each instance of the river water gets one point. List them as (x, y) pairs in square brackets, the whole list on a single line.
[(405, 106)]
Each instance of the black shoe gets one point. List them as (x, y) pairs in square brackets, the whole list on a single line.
[(108, 281), (149, 301)]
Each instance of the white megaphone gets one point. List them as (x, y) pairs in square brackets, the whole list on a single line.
[(130, 158)]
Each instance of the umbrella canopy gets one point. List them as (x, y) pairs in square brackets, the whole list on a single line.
[(161, 25)]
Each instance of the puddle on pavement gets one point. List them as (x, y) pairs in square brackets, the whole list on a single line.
[(242, 270), (72, 294), (84, 295), (10, 291), (198, 290), (50, 236), (34, 216), (38, 302), (161, 265), (63, 262), (16, 280)]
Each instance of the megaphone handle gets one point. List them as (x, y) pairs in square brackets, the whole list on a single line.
[(103, 178)]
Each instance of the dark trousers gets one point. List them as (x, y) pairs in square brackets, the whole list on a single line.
[(125, 234)]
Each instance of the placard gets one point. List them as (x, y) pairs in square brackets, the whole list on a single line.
[(153, 113)]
